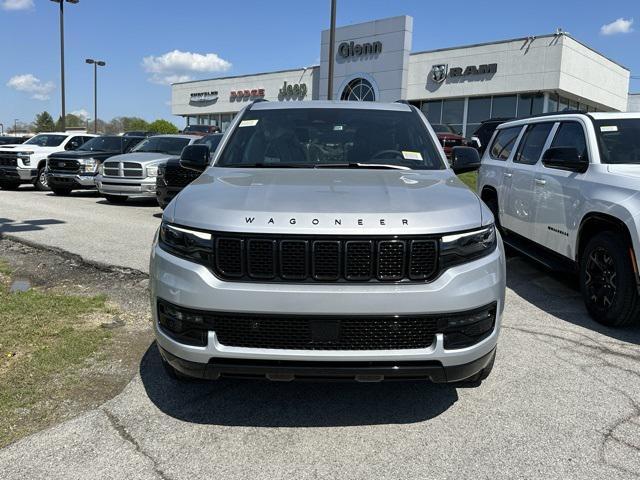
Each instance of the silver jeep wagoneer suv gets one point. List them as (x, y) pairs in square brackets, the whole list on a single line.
[(328, 240)]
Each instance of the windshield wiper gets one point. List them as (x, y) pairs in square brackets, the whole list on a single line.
[(385, 166)]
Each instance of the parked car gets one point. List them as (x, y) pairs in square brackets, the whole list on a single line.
[(134, 174), (201, 129), (480, 138), (172, 177), (328, 240), (565, 190), (26, 163), (9, 140), (77, 169), (448, 138)]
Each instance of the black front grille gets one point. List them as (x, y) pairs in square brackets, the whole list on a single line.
[(325, 259), (176, 176), (63, 165), (8, 161), (332, 333)]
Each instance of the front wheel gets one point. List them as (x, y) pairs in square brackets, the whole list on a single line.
[(608, 281), (117, 199), (41, 182)]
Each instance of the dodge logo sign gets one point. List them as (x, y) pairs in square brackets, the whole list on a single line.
[(439, 72)]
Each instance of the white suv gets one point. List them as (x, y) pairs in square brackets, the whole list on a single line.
[(565, 189)]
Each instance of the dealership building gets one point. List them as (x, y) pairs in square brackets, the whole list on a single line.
[(459, 86)]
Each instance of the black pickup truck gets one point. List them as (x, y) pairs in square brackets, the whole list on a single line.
[(172, 177), (73, 170)]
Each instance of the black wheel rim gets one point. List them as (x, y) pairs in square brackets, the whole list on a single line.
[(601, 279)]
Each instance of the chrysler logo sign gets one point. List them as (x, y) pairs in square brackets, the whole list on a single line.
[(439, 73), (351, 49), (202, 97)]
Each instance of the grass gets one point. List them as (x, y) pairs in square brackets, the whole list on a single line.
[(44, 339), (470, 179)]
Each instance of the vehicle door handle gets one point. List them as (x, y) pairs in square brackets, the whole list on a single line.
[(539, 181), (508, 175)]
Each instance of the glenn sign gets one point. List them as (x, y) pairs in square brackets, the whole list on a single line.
[(351, 49)]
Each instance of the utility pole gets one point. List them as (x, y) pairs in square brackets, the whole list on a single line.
[(96, 64), (64, 113), (332, 41)]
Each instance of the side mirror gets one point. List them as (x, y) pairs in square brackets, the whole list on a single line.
[(464, 159), (565, 158), (195, 157)]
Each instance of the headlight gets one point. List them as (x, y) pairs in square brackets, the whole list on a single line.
[(90, 165), (464, 247), (152, 171), (101, 170), (161, 169), (25, 158), (186, 243)]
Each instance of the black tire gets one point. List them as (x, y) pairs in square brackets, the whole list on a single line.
[(608, 281), (9, 186), (117, 199), (492, 203), (40, 182), (64, 192)]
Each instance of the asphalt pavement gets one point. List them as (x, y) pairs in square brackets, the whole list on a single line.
[(84, 224), (563, 401)]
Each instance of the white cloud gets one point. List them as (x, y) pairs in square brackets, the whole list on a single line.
[(17, 4), (82, 113), (30, 84), (621, 25), (177, 66)]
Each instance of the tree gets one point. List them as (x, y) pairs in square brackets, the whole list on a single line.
[(44, 122), (71, 121), (163, 126), (126, 124)]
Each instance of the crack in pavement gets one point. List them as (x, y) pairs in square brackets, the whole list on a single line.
[(127, 437), (599, 350)]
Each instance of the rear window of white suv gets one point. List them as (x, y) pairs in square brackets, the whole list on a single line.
[(504, 142), (619, 140)]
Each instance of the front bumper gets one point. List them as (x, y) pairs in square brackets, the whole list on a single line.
[(461, 288), (17, 174), (128, 187), (70, 180)]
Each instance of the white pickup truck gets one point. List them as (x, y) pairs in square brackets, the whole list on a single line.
[(26, 162), (565, 190)]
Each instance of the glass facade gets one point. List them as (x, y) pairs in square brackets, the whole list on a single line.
[(219, 120)]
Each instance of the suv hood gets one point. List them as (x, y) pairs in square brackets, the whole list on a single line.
[(80, 154), (141, 157), (307, 201)]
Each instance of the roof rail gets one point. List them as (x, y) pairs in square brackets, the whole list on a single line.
[(550, 114), (406, 102), (257, 100)]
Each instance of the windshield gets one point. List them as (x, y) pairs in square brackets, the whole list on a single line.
[(440, 128), (103, 144), (619, 140), (168, 145), (46, 140), (330, 137)]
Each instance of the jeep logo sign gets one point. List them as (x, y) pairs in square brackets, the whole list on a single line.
[(351, 49), (296, 90)]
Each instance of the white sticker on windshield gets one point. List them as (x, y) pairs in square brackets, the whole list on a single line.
[(338, 128), (609, 128), (411, 155), (248, 123)]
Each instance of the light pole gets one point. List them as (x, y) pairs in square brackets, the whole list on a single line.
[(61, 2), (15, 126), (332, 41), (96, 64)]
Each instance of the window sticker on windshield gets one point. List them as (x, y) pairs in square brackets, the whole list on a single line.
[(411, 155), (337, 128), (609, 128), (249, 123)]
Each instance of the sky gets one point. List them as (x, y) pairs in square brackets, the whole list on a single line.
[(147, 44)]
